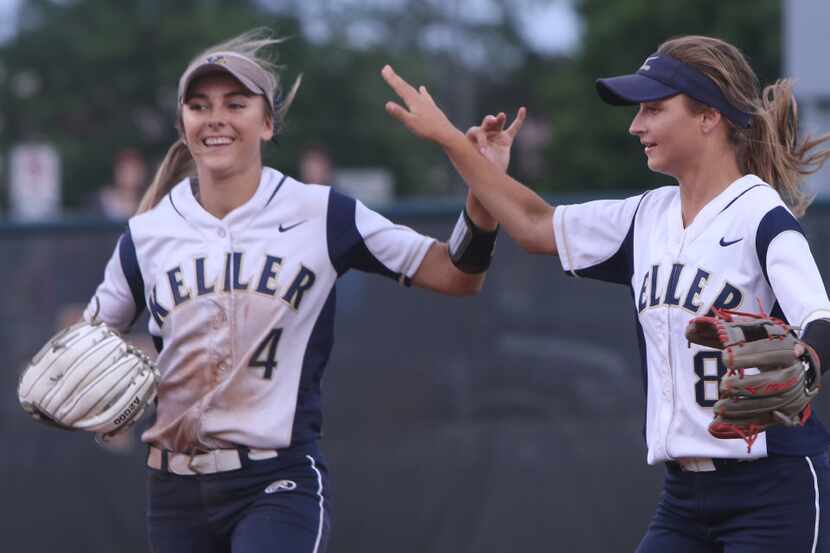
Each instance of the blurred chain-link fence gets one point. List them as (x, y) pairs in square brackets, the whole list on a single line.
[(511, 421)]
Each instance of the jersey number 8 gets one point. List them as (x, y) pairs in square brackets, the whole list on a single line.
[(709, 369)]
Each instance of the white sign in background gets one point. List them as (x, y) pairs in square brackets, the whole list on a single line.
[(34, 181)]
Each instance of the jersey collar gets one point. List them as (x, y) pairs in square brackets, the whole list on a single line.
[(189, 208), (710, 211)]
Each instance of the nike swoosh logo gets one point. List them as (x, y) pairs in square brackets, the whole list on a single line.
[(724, 243), (289, 227), (281, 486)]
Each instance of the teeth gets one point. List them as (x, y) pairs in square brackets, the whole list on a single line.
[(217, 140)]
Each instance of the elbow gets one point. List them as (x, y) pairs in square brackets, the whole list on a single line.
[(468, 285), (531, 244), (475, 288)]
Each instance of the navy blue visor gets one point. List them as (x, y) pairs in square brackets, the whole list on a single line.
[(661, 77)]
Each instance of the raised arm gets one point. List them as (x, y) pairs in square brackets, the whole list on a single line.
[(438, 272), (525, 216)]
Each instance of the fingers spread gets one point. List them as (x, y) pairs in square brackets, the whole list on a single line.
[(423, 90), (517, 123), (397, 111), (400, 86)]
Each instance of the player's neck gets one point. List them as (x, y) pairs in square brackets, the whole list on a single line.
[(221, 194), (704, 181)]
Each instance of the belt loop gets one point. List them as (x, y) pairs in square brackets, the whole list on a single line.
[(244, 455), (165, 463)]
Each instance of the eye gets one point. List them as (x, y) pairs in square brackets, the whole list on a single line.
[(237, 105), (196, 106)]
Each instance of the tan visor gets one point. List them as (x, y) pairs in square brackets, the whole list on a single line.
[(251, 75)]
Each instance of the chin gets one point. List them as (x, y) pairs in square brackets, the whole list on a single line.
[(653, 165), (656, 166), (218, 164)]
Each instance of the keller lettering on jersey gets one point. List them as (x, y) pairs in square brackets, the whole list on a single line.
[(652, 294), (266, 282)]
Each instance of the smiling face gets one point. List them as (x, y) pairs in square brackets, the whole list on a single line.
[(670, 133), (224, 125)]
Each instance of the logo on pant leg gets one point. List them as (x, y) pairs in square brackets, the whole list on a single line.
[(281, 486)]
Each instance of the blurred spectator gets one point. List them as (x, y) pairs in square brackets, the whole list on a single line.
[(120, 199), (316, 166)]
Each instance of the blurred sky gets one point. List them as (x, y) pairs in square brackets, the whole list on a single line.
[(550, 27), (7, 11)]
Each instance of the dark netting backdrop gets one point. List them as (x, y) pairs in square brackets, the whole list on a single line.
[(512, 421)]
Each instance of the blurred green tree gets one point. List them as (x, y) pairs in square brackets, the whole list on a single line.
[(100, 76), (591, 148), (103, 76), (95, 76)]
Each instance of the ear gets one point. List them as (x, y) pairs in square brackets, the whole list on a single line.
[(267, 128), (710, 118)]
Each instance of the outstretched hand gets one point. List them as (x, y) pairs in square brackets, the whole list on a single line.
[(493, 140), (421, 115)]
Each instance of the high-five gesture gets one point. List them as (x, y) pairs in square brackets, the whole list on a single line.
[(481, 158), (421, 115), (493, 140)]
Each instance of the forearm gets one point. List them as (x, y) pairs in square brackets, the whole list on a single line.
[(523, 214), (439, 274), (458, 266), (479, 214)]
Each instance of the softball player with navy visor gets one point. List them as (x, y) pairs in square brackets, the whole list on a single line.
[(237, 265), (724, 237)]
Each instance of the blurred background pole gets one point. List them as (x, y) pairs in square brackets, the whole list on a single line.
[(806, 45)]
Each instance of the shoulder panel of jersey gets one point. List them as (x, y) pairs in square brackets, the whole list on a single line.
[(597, 239), (362, 239), (784, 258)]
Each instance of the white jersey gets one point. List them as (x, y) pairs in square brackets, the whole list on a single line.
[(242, 308), (744, 251)]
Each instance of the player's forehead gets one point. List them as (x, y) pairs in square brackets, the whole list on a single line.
[(669, 102)]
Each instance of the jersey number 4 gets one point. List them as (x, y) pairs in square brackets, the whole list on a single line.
[(265, 355), (709, 369)]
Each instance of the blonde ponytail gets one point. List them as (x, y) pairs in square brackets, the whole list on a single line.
[(177, 164), (772, 150)]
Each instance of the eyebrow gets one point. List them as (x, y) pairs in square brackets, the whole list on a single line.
[(240, 92)]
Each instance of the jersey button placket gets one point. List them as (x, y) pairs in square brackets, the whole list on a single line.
[(230, 320), (678, 258)]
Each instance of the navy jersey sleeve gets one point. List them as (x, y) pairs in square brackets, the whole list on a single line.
[(359, 238), (119, 299), (788, 266), (596, 239)]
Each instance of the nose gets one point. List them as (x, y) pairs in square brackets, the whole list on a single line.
[(636, 128), (215, 124)]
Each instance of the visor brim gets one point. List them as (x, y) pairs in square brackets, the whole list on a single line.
[(212, 68), (628, 90)]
